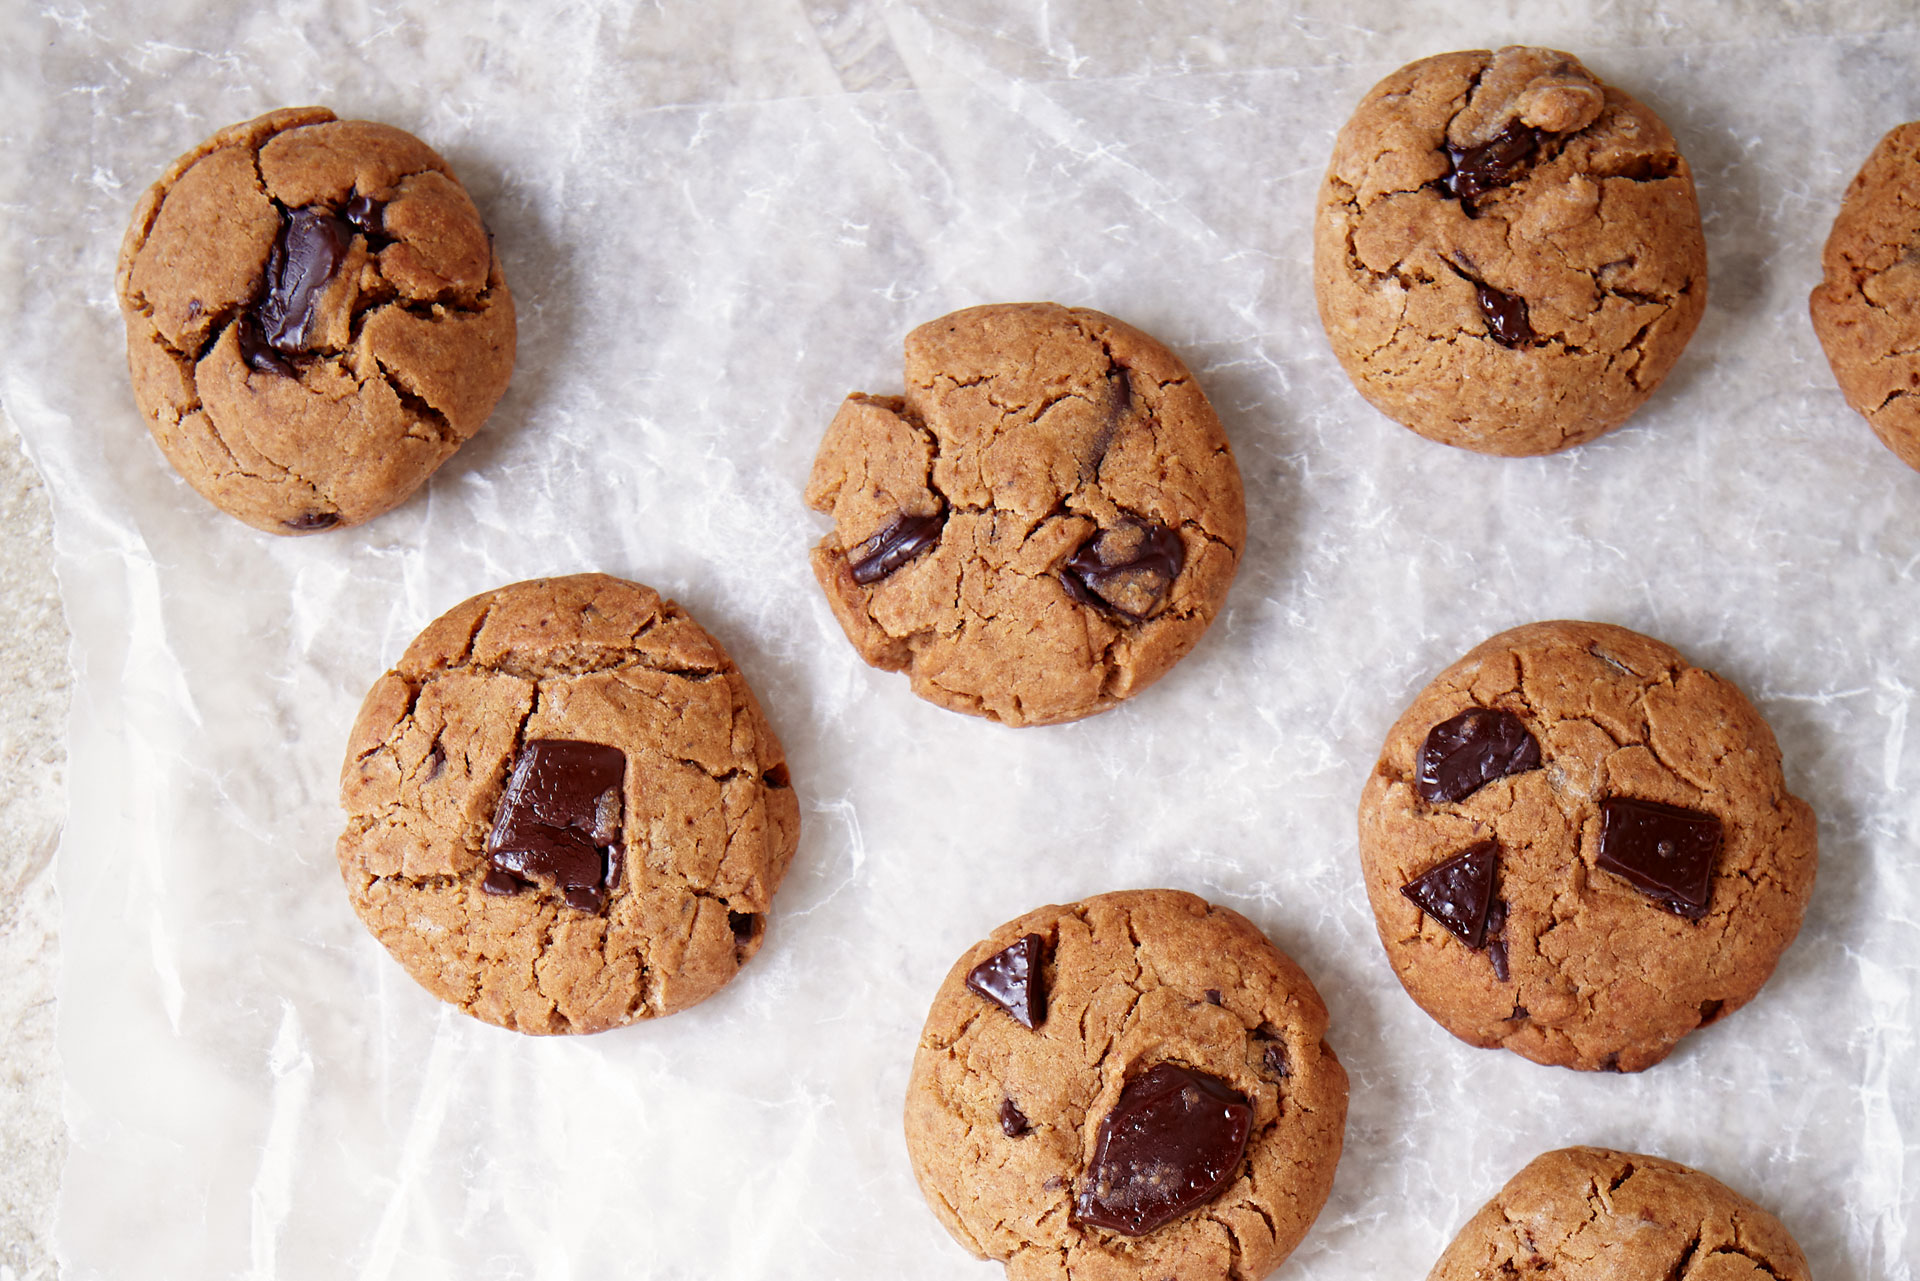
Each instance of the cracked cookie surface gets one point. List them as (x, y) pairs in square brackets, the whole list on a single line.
[(704, 825), (316, 319), (1867, 308), (1507, 253), (1003, 1122), (1043, 525), (1601, 974), (1593, 1214)]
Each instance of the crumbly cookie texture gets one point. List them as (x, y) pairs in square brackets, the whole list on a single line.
[(1867, 309), (1003, 1121), (1592, 1214), (316, 318), (1507, 253), (705, 820), (1601, 973), (1043, 525)]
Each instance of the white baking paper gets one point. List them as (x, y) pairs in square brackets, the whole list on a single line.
[(719, 218)]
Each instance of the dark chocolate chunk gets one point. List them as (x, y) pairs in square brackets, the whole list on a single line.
[(366, 215), (1275, 1054), (894, 546), (1012, 980), (1464, 754), (742, 925), (1173, 1141), (311, 246), (1664, 851), (254, 350), (306, 522), (1128, 569), (1459, 892), (1013, 1122), (1506, 315), (558, 825), (1494, 163), (1497, 939), (1213, 996)]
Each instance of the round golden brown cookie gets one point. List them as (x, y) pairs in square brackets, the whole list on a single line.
[(1124, 1089), (1580, 847), (1041, 527), (1507, 254), (1867, 309), (1591, 1214), (315, 318), (565, 809)]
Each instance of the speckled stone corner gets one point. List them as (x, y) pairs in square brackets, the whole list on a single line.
[(1075, 512), (394, 359), (1592, 1214), (708, 818), (1133, 979), (1543, 305), (1600, 976), (1867, 309)]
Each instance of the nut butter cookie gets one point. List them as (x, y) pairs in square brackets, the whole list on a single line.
[(1579, 847), (565, 809), (1041, 527), (1130, 1087), (1507, 254), (315, 317)]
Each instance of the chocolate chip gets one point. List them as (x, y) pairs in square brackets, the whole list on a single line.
[(254, 350), (1506, 315), (1128, 569), (1710, 1010), (1664, 851), (1213, 996), (1172, 1142), (308, 252), (1011, 979), (1499, 160), (307, 522), (1458, 893), (742, 924), (1013, 1122), (1497, 938), (366, 214), (894, 546), (1463, 754), (1519, 1012), (558, 824), (1276, 1060), (1610, 1063)]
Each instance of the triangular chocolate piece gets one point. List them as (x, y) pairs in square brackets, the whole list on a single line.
[(1664, 851), (1458, 892), (1011, 979)]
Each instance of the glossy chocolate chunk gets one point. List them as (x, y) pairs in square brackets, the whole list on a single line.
[(894, 546), (306, 256), (1128, 569), (1459, 892), (1172, 1142), (366, 214), (1011, 978), (1506, 315), (1494, 163), (1664, 851), (558, 825), (1013, 1122), (1465, 753)]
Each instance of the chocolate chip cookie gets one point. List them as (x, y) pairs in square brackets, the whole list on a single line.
[(1867, 309), (1507, 254), (1041, 527), (1132, 1086), (565, 811), (1591, 1214), (1579, 847), (315, 317)]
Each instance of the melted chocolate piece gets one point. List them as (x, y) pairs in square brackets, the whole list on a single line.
[(1011, 979), (1506, 315), (311, 246), (307, 522), (894, 546), (1013, 1122), (558, 825), (1128, 569), (1173, 1141), (1459, 892), (1494, 163), (367, 215), (1464, 754), (1664, 851), (254, 350)]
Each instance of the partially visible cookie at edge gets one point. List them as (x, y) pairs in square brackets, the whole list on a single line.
[(1580, 847), (316, 318), (1127, 1088), (1508, 254), (1041, 526), (1866, 310), (1594, 1214), (565, 809)]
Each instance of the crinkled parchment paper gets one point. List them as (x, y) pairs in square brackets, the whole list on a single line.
[(717, 220)]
